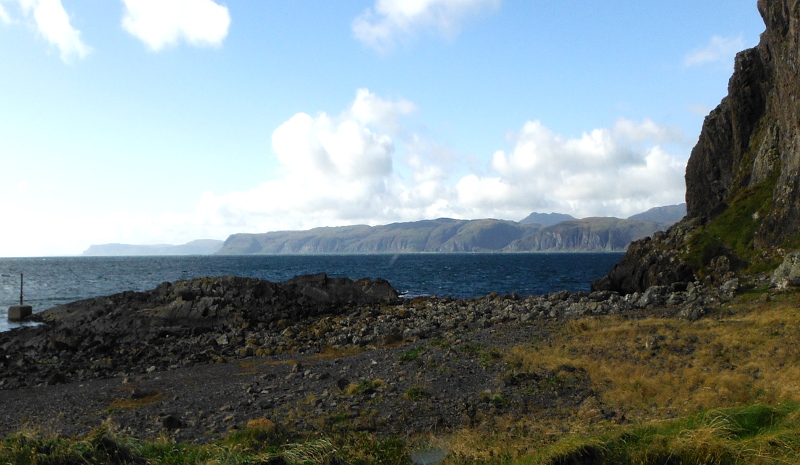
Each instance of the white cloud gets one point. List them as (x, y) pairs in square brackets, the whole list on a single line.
[(698, 109), (334, 170), (718, 50), (341, 170), (344, 169), (54, 24), (388, 21), (4, 18), (369, 109), (617, 172), (162, 23)]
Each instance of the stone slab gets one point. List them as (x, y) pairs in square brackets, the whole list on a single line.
[(19, 312)]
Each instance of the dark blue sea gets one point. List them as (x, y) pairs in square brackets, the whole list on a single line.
[(54, 281)]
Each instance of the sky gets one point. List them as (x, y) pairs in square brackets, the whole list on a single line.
[(165, 121)]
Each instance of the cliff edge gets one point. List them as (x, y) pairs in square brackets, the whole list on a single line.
[(742, 179)]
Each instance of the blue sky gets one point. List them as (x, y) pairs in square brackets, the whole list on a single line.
[(164, 121)]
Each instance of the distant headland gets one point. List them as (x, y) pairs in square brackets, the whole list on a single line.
[(539, 232)]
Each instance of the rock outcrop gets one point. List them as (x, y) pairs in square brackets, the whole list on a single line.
[(742, 181), (753, 135), (227, 301), (650, 262)]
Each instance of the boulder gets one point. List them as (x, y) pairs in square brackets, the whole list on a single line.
[(788, 273), (650, 262)]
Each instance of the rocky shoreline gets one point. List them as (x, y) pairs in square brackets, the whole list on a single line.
[(198, 357), (211, 320)]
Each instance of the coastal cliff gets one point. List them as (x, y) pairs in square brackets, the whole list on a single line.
[(742, 181), (447, 235)]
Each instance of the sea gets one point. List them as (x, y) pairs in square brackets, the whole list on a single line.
[(47, 282)]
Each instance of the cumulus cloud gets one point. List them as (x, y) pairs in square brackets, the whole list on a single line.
[(388, 21), (339, 170), (163, 23), (698, 109), (718, 50), (333, 170), (618, 171), (4, 18), (54, 24), (362, 166)]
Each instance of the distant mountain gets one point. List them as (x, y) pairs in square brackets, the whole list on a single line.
[(666, 214), (442, 235), (539, 232), (602, 234), (198, 247), (449, 235), (546, 219)]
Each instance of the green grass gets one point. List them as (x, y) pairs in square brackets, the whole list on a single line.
[(366, 386), (411, 355), (756, 434), (246, 447), (417, 394), (471, 349), (499, 401)]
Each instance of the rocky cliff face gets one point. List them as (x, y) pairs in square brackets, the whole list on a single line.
[(742, 181), (753, 135)]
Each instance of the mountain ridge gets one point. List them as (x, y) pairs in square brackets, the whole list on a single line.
[(447, 235), (442, 235)]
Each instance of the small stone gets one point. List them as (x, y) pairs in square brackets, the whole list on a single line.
[(265, 404), (171, 422), (57, 378), (143, 393)]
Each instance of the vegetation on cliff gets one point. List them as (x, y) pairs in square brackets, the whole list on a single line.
[(732, 233)]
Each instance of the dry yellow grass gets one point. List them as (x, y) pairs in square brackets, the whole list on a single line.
[(134, 403), (662, 368), (656, 369), (263, 424)]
